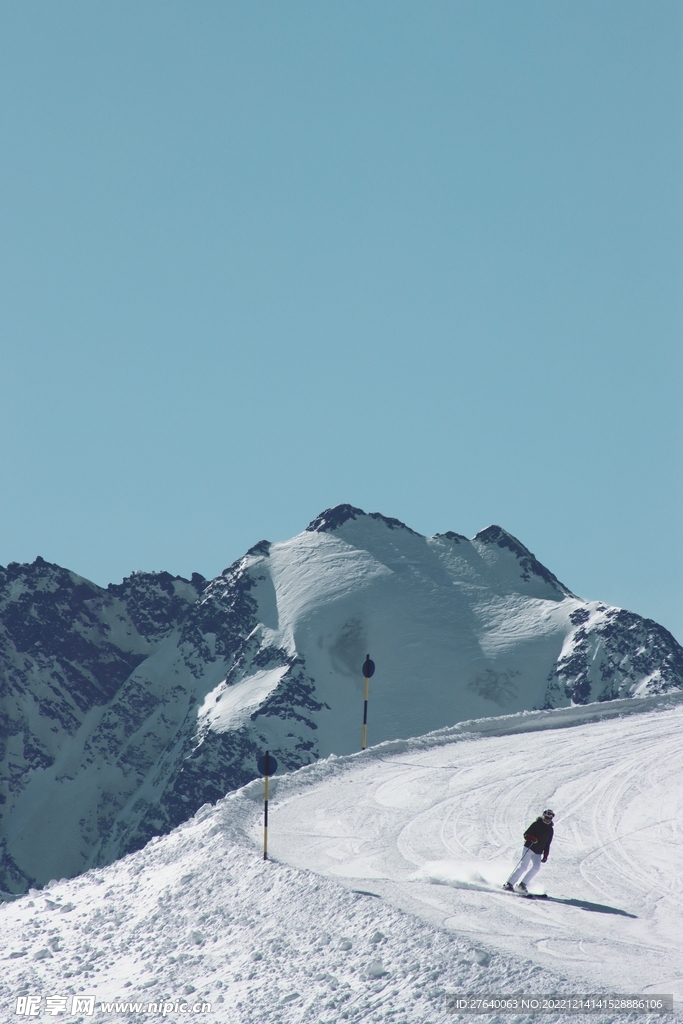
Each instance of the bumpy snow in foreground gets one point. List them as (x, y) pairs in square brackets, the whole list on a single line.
[(431, 827)]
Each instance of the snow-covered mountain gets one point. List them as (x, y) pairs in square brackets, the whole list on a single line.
[(126, 709)]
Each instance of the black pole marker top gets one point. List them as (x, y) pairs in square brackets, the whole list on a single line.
[(368, 667), (267, 765)]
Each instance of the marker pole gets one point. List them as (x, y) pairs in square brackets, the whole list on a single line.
[(266, 766), (265, 810), (368, 670), (365, 713)]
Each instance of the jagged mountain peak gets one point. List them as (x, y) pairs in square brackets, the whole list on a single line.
[(528, 561), (262, 548), (332, 518), (337, 519), (457, 538), (39, 574)]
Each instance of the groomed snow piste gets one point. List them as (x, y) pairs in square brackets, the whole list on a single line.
[(431, 827)]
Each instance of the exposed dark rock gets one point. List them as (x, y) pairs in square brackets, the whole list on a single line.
[(262, 548), (614, 657), (332, 518), (528, 561)]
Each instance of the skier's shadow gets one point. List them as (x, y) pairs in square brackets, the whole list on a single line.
[(597, 908)]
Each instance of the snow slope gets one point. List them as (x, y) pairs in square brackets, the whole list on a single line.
[(436, 829), (124, 710), (431, 826)]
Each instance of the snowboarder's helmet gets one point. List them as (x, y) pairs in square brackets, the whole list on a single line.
[(548, 813)]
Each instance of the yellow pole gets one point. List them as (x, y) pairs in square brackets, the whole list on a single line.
[(365, 713), (265, 818)]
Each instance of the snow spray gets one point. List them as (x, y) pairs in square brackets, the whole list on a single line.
[(368, 670), (267, 766)]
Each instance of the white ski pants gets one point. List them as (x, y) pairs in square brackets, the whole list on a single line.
[(529, 866)]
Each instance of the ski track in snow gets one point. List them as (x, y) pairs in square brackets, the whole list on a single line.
[(432, 826), (429, 830)]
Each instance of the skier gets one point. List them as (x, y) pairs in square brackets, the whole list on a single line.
[(537, 840)]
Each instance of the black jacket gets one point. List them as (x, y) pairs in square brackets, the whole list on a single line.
[(539, 836)]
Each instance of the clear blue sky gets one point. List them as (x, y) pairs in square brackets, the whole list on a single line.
[(262, 258)]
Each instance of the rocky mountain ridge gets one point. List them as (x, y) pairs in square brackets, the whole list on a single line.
[(125, 709)]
